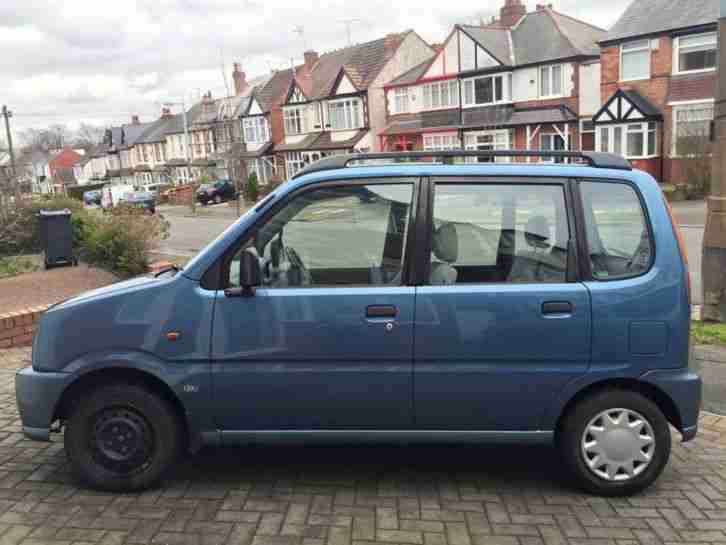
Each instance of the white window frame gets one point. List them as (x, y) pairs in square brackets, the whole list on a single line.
[(441, 141), (352, 113), (452, 92), (257, 127), (294, 115), (634, 47), (677, 107), (401, 101), (677, 52), (550, 70), (648, 128), (506, 90), (294, 162), (500, 140)]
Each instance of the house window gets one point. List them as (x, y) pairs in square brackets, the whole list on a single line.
[(587, 135), (442, 94), (550, 81), (294, 121), (400, 100), (484, 90), (551, 142), (440, 142), (635, 60), (632, 140), (692, 128), (696, 53), (486, 141), (255, 129), (293, 162), (344, 114)]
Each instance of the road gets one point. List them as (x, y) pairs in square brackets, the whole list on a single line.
[(189, 234)]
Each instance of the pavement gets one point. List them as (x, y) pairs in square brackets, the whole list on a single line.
[(362, 495), (46, 287)]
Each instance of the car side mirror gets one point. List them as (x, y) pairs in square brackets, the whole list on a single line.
[(249, 275)]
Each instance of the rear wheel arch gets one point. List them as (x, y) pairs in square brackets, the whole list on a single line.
[(127, 375), (662, 400)]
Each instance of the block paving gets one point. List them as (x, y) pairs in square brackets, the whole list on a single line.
[(355, 495)]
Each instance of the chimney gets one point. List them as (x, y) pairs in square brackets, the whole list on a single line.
[(311, 57), (134, 119), (207, 102), (239, 78), (541, 7), (511, 12), (392, 41)]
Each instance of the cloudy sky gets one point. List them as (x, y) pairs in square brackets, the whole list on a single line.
[(100, 61)]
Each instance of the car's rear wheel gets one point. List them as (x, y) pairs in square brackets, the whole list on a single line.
[(122, 437), (615, 442), (217, 199)]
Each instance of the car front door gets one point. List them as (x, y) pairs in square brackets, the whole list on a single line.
[(501, 325), (326, 342)]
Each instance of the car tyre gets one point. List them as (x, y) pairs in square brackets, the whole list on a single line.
[(582, 446), (217, 199), (122, 438)]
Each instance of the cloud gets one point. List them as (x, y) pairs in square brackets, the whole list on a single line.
[(108, 59)]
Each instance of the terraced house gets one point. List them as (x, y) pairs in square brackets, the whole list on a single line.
[(335, 103), (524, 81), (658, 85)]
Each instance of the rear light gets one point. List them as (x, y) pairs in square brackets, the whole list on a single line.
[(681, 245)]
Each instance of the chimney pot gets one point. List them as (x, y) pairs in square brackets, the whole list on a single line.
[(135, 119), (239, 78), (311, 57), (511, 12)]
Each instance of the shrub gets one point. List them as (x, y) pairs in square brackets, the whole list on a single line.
[(252, 190), (122, 240)]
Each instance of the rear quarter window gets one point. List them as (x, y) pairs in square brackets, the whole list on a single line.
[(619, 243)]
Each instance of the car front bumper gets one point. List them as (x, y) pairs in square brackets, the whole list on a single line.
[(683, 386), (37, 395)]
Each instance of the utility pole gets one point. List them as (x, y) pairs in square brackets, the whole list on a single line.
[(713, 266), (7, 114)]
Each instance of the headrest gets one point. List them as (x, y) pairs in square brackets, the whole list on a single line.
[(445, 243)]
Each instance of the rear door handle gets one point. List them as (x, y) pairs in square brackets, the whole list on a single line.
[(381, 311), (556, 307)]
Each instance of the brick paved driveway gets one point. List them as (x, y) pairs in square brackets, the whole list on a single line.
[(355, 495)]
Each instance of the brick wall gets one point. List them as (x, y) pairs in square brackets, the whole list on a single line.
[(654, 89), (17, 328)]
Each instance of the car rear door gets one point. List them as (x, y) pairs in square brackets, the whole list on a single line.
[(502, 324)]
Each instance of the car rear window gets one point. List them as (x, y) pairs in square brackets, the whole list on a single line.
[(618, 240)]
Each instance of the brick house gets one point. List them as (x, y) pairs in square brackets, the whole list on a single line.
[(523, 81), (336, 101), (657, 84), (61, 169)]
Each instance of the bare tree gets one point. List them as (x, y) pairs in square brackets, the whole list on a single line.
[(694, 148), (46, 139), (88, 136)]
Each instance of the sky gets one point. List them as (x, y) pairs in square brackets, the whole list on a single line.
[(101, 61)]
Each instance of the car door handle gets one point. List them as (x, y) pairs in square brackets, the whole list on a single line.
[(381, 311), (556, 307)]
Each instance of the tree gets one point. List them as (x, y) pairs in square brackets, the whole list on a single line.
[(88, 136), (50, 138)]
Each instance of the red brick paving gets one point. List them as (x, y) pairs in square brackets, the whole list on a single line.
[(47, 287)]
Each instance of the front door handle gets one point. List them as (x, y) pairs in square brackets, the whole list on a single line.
[(381, 311), (556, 307)]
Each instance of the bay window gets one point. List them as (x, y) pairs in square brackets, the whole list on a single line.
[(695, 53), (635, 60), (442, 94), (631, 140), (692, 125), (440, 142), (487, 141), (295, 120), (550, 81), (344, 114), (255, 130), (400, 100), (293, 162), (485, 90)]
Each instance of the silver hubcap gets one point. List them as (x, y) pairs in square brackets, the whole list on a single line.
[(618, 444)]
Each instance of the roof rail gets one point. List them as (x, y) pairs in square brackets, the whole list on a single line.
[(594, 159)]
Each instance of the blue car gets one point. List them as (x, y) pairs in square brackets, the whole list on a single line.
[(365, 300)]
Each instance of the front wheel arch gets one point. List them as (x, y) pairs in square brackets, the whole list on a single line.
[(662, 400), (107, 376)]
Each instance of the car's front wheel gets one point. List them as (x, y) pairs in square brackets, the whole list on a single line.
[(122, 437), (615, 442)]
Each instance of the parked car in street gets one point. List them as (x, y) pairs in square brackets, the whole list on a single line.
[(216, 192), (92, 197), (112, 194), (141, 199), (413, 302)]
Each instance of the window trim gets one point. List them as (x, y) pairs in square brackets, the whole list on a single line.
[(506, 90), (675, 107), (216, 277), (347, 104), (583, 250), (550, 69), (676, 64), (572, 271), (452, 84), (634, 49), (624, 138)]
